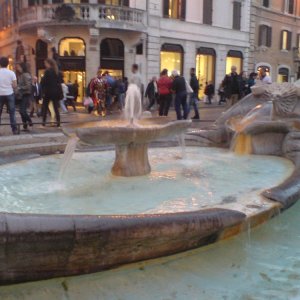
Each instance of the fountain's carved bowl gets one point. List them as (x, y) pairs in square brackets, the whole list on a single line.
[(120, 132), (130, 140)]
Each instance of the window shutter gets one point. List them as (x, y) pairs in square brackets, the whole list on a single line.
[(125, 2), (281, 40), (207, 12), (183, 10), (269, 37), (260, 35), (166, 8), (237, 7), (289, 41)]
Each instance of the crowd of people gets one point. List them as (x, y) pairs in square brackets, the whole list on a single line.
[(103, 91)]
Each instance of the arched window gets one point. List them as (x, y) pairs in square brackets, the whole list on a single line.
[(171, 58), (234, 58), (283, 75), (112, 57), (72, 46)]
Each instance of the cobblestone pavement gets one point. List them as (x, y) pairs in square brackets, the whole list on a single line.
[(208, 114)]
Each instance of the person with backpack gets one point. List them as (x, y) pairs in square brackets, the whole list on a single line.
[(24, 90)]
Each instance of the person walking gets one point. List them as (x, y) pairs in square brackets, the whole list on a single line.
[(8, 82), (179, 88), (151, 92), (264, 77), (24, 89), (232, 86), (209, 91), (194, 83), (52, 90), (250, 82), (62, 102), (164, 85), (221, 94), (36, 97)]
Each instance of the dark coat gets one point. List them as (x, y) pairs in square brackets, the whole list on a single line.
[(51, 85), (194, 83), (232, 84), (178, 85), (150, 91)]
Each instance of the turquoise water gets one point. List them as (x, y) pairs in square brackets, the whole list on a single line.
[(260, 265), (205, 177)]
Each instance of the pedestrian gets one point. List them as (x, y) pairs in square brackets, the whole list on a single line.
[(164, 85), (36, 97), (76, 90), (52, 91), (62, 102), (221, 94), (71, 95), (194, 98), (179, 88), (8, 82), (98, 87), (250, 82), (151, 92), (244, 80), (264, 77), (111, 84), (20, 52), (24, 89), (232, 86), (209, 91), (121, 93)]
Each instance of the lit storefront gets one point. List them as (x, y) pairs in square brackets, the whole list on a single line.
[(234, 58), (283, 75), (171, 58), (205, 67), (72, 62)]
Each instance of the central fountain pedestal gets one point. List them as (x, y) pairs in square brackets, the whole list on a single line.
[(131, 160)]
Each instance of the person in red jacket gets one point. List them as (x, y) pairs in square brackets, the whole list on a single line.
[(164, 85)]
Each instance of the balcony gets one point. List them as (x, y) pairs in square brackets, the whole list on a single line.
[(100, 16)]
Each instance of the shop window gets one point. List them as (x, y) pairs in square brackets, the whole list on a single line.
[(174, 9), (207, 12), (234, 58), (72, 47), (237, 13), (265, 36), (266, 3), (283, 75), (286, 40), (205, 67), (171, 58)]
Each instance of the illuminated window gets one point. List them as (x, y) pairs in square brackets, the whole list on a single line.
[(283, 75), (114, 2), (234, 58), (205, 67), (171, 58), (174, 9), (286, 39), (290, 6), (71, 47)]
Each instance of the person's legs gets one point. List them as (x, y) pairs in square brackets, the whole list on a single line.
[(12, 112), (162, 101), (184, 106), (235, 99), (2, 102), (178, 106), (151, 103), (45, 107), (56, 109), (63, 106), (195, 106), (167, 105)]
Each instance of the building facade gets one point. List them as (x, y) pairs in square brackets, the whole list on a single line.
[(275, 38), (209, 35)]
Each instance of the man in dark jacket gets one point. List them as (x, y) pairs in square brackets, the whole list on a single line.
[(194, 83), (179, 88), (232, 84), (151, 92)]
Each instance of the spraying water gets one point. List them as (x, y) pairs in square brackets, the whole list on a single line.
[(70, 149), (133, 104)]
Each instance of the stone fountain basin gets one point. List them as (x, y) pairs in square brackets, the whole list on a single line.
[(120, 132)]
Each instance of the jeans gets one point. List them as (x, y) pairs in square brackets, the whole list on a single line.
[(194, 102), (10, 101), (121, 100), (23, 109), (63, 106), (180, 101), (164, 104)]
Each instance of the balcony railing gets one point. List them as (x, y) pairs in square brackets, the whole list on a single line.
[(81, 13)]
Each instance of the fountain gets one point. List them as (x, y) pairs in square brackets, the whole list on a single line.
[(131, 136), (94, 220)]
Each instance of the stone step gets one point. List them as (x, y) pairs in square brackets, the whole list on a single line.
[(55, 137), (35, 148)]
